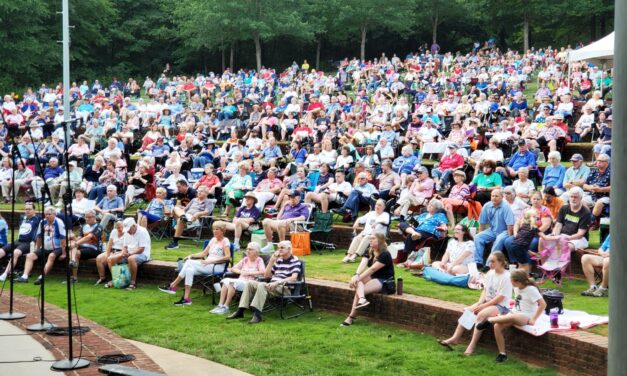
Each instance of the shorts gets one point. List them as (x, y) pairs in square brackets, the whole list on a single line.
[(519, 254), (581, 243), (502, 309), (88, 252), (24, 247), (57, 252), (151, 218), (239, 284), (140, 259)]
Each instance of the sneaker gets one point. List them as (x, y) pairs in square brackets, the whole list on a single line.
[(236, 247), (100, 281), (73, 280), (590, 291), (216, 309), (501, 358), (21, 280), (183, 302), (38, 281), (167, 289), (483, 325), (267, 249), (172, 245), (3, 277), (601, 292), (272, 210), (222, 310)]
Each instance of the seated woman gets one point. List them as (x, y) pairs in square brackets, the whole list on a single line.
[(598, 261), (156, 210), (137, 183), (494, 301), (209, 180), (110, 176), (529, 307), (344, 161), (429, 225), (236, 187), (297, 155), (212, 260), (554, 173), (459, 252), (374, 221), (417, 193), (493, 153), (405, 163), (371, 160), (248, 268), (543, 223), (299, 182), (376, 267), (456, 197), (523, 186), (487, 181)]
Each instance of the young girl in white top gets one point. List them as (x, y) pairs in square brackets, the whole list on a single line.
[(497, 291), (528, 308)]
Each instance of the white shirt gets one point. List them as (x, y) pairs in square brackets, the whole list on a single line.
[(141, 238), (498, 285), (495, 155), (527, 300), (456, 249), (374, 222)]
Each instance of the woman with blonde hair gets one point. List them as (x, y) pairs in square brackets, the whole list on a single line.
[(374, 221), (374, 273)]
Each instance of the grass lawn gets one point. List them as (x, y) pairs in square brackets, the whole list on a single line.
[(313, 343)]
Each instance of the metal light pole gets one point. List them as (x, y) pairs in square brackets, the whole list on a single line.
[(617, 350), (66, 62)]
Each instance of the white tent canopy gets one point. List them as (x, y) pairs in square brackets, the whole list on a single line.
[(599, 52)]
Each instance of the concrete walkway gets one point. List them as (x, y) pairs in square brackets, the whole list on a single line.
[(17, 346), (175, 363)]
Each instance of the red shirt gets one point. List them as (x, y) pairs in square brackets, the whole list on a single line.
[(315, 106), (451, 161), (209, 182)]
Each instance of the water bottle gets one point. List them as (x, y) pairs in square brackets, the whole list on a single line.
[(399, 286), (554, 317)]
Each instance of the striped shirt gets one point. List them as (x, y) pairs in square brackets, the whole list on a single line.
[(284, 268)]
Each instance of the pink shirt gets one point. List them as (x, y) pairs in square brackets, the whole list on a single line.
[(246, 265), (78, 150), (267, 184)]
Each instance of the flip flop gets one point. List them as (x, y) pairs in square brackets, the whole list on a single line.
[(444, 344), (131, 287), (346, 323), (362, 305)]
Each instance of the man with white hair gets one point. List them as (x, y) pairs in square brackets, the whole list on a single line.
[(135, 249), (282, 267), (360, 195), (110, 207), (53, 246), (573, 220)]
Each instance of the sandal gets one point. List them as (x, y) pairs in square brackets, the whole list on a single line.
[(362, 303), (346, 323), (445, 344), (108, 285), (131, 287)]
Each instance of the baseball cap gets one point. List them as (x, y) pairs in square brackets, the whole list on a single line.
[(576, 157), (422, 169), (522, 141), (294, 193), (128, 223)]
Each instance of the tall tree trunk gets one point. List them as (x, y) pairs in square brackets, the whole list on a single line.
[(318, 46), (593, 27), (526, 33), (232, 57), (603, 19), (223, 58), (364, 31), (434, 24), (257, 40)]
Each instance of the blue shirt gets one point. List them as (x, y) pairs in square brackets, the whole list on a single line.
[(497, 217), (272, 152), (605, 247), (53, 234), (404, 164), (430, 223), (244, 212), (367, 189), (51, 173), (528, 159), (108, 204), (28, 229), (554, 176), (4, 228)]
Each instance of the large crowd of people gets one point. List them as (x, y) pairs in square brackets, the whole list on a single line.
[(418, 139)]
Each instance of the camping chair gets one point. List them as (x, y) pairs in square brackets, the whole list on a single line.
[(555, 263), (322, 224), (163, 227), (207, 282), (195, 229), (296, 295)]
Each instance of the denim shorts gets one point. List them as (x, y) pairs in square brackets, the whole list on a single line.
[(140, 258), (502, 309)]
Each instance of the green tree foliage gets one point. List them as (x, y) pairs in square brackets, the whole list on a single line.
[(139, 37)]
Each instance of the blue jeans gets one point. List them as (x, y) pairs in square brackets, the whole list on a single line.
[(512, 251), (488, 236), (97, 193), (355, 198), (602, 149), (200, 162), (444, 176)]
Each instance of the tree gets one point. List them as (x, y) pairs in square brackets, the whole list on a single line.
[(358, 17)]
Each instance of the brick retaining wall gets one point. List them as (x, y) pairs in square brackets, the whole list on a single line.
[(573, 353)]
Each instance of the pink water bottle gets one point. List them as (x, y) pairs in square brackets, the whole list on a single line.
[(554, 317)]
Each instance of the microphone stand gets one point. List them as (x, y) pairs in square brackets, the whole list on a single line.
[(11, 315), (70, 363), (45, 190)]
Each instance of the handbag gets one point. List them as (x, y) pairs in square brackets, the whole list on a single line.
[(301, 244), (120, 276)]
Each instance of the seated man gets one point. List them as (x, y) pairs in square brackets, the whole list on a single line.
[(27, 231), (59, 184), (80, 206), (135, 250), (53, 246), (337, 191), (110, 207), (360, 195), (448, 163), (156, 209), (282, 267), (87, 246), (200, 206), (244, 216), (23, 179), (573, 219), (389, 184), (51, 172), (293, 211), (601, 261), (498, 215), (597, 186), (522, 158)]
